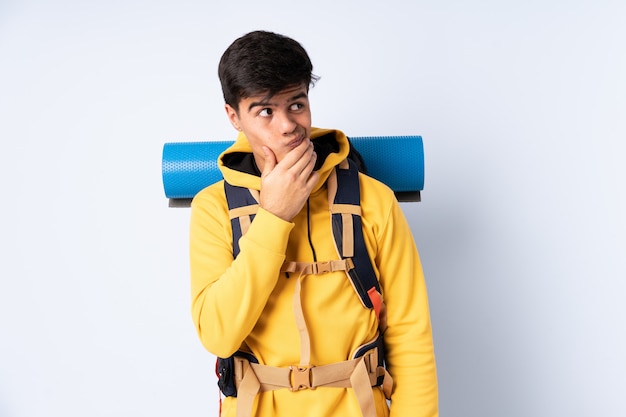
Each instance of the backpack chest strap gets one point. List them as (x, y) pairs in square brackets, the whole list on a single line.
[(316, 268)]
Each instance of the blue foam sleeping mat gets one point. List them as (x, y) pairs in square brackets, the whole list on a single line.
[(397, 161)]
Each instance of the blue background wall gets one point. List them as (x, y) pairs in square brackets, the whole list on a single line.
[(521, 230)]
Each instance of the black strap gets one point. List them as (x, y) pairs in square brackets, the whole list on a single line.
[(348, 192), (237, 197)]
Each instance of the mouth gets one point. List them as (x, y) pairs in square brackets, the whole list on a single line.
[(294, 143)]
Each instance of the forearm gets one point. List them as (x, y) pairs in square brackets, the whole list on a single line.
[(228, 296)]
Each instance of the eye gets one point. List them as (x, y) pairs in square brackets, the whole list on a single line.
[(296, 106), (266, 112)]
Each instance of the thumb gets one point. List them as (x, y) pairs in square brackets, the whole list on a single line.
[(270, 161)]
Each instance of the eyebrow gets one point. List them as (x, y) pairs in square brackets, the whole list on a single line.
[(267, 102)]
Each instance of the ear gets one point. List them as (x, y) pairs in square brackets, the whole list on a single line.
[(233, 117)]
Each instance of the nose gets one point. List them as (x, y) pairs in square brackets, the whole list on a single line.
[(286, 123)]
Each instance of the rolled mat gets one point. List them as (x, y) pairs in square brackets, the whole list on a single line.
[(397, 161)]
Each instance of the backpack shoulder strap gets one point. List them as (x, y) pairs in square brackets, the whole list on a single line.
[(344, 197), (243, 205)]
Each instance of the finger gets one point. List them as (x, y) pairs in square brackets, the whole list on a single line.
[(306, 162), (295, 155), (310, 166), (312, 180), (270, 161)]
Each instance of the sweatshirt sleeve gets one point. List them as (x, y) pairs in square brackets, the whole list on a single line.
[(228, 296), (408, 338)]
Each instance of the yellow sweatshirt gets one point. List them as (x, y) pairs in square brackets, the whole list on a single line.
[(248, 300)]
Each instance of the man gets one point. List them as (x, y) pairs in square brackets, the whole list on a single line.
[(271, 294)]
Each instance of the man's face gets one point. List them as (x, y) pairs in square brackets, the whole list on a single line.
[(281, 122)]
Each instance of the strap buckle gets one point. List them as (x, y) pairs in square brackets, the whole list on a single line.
[(300, 377), (321, 267)]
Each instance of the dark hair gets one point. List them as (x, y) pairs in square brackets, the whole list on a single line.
[(263, 62)]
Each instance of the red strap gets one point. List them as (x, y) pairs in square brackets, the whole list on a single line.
[(376, 300)]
